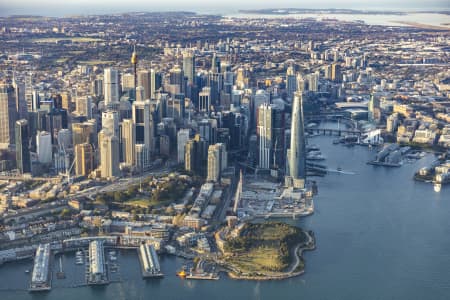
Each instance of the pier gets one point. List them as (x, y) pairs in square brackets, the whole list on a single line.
[(149, 261), (41, 277), (96, 274)]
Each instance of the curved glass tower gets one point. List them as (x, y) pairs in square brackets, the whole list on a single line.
[(297, 157)]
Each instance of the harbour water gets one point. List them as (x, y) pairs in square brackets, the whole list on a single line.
[(380, 235)]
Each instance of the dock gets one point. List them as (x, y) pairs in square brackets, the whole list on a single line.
[(41, 277), (149, 262), (202, 276), (96, 271)]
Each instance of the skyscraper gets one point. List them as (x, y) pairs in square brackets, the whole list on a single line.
[(189, 66), (291, 82), (128, 141), (297, 157), (144, 80), (336, 72), (182, 138), (8, 115), (109, 148), (111, 85), (110, 122), (264, 135), (217, 161), (143, 121), (22, 147), (44, 147), (84, 159)]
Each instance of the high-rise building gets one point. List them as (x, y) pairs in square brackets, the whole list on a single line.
[(291, 82), (111, 85), (23, 159), (204, 102), (182, 138), (264, 135), (84, 159), (109, 148), (374, 109), (217, 161), (128, 82), (144, 80), (143, 121), (128, 142), (110, 122), (297, 153), (270, 136), (189, 66), (84, 106), (336, 72), (44, 147), (155, 83), (85, 132), (8, 115)]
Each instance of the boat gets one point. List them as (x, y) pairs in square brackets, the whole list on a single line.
[(182, 273), (339, 169), (27, 271)]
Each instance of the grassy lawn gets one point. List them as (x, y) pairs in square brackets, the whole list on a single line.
[(258, 260), (147, 202)]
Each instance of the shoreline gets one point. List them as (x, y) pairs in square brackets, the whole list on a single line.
[(309, 245)]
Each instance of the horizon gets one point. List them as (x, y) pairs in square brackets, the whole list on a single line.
[(51, 8)]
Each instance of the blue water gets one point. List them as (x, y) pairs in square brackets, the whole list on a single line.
[(380, 235)]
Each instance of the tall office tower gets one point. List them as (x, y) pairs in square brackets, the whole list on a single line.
[(109, 155), (204, 100), (21, 104), (264, 135), (143, 121), (217, 161), (140, 93), (392, 123), (64, 138), (207, 129), (44, 147), (374, 109), (156, 82), (144, 79), (313, 82), (97, 87), (189, 66), (85, 132), (110, 122), (84, 159), (241, 79), (336, 73), (66, 102), (111, 85), (297, 156), (176, 80), (23, 159), (300, 83), (261, 97), (215, 64), (84, 106), (128, 141), (270, 136), (191, 156), (127, 82), (182, 138), (8, 115), (142, 157), (215, 82), (291, 82), (175, 108)]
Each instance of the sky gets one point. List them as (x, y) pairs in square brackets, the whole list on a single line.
[(71, 7)]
